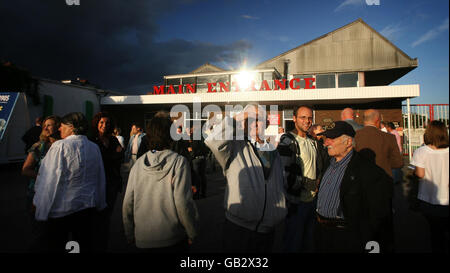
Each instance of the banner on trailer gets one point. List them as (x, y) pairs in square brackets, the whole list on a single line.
[(7, 103)]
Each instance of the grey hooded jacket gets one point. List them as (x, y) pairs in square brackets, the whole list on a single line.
[(158, 209), (251, 201)]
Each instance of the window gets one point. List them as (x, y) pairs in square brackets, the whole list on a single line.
[(219, 78), (301, 84), (288, 114), (185, 81), (174, 83), (348, 80), (325, 81), (202, 82), (190, 80)]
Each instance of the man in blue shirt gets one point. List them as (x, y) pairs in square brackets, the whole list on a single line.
[(137, 145), (348, 116)]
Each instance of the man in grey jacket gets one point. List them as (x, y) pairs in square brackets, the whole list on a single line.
[(254, 196)]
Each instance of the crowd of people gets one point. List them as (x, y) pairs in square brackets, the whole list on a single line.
[(332, 185)]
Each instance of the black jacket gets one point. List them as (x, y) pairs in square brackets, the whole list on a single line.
[(287, 151), (323, 159), (143, 148), (112, 161), (366, 201), (199, 148)]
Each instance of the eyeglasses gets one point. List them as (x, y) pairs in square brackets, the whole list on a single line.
[(305, 118)]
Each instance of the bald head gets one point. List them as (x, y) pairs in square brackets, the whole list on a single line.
[(372, 117), (347, 113)]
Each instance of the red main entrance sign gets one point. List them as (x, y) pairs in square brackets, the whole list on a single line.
[(214, 87)]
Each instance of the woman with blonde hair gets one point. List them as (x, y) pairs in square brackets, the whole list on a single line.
[(431, 167), (36, 153)]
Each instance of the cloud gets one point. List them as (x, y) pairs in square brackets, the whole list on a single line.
[(111, 43), (432, 33), (284, 39), (349, 3), (249, 17), (443, 26), (391, 31)]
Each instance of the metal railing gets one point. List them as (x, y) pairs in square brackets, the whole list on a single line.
[(420, 115)]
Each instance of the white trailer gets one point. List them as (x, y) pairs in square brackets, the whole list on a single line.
[(56, 98)]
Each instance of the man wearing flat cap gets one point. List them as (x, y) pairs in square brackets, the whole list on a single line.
[(353, 202)]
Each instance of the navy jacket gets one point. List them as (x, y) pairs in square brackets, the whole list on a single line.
[(366, 201)]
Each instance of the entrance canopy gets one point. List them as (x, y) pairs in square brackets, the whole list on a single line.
[(325, 96)]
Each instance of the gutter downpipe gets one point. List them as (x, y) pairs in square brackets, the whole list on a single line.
[(409, 130)]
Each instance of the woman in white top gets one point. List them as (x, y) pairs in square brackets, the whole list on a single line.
[(431, 166), (116, 133), (69, 185)]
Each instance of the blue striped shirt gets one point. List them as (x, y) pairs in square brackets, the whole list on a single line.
[(328, 196)]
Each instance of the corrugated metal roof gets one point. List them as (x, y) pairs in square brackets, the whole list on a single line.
[(353, 47)]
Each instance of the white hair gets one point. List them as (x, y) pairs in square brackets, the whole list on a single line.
[(353, 140)]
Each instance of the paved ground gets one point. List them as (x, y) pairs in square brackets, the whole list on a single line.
[(411, 229)]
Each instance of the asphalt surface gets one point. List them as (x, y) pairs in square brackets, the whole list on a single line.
[(411, 229)]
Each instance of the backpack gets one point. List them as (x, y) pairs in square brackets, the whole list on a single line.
[(295, 175)]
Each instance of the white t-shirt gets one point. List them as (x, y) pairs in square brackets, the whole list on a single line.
[(433, 187), (307, 162), (308, 156), (120, 139), (135, 147)]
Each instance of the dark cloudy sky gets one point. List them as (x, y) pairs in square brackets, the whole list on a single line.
[(129, 45), (111, 43)]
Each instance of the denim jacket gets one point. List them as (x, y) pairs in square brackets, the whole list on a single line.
[(130, 146)]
